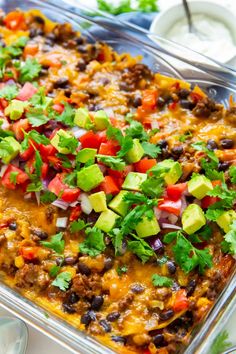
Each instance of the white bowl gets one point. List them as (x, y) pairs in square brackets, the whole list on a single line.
[(163, 22)]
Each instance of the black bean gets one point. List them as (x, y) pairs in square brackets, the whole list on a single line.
[(113, 316), (177, 150), (87, 317), (39, 20), (68, 308), (171, 267), (82, 49), (183, 93), (160, 102), (166, 315), (59, 261), (92, 217), (70, 260), (67, 92), (162, 143), (191, 287), (165, 153), (97, 302), (13, 226), (62, 82), (81, 64), (41, 234), (137, 101), (79, 40), (105, 325), (108, 263), (137, 288), (84, 269), (211, 144), (51, 36), (186, 104), (175, 286), (34, 32), (158, 340), (73, 298), (118, 339), (43, 71), (227, 143), (223, 166), (49, 42)]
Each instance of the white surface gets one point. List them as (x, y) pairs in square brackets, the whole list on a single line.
[(39, 343)]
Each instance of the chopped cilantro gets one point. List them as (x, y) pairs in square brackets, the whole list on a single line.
[(71, 179), (232, 174), (62, 281), (115, 163), (35, 136), (136, 130), (9, 92), (67, 116), (117, 240), (230, 239), (185, 136), (37, 117), (70, 143), (159, 280), (153, 186), (54, 271), (65, 161), (30, 70), (121, 270), (13, 177), (38, 164), (57, 243), (94, 243), (48, 197), (126, 142), (35, 186), (78, 225), (227, 197), (140, 248), (151, 149)]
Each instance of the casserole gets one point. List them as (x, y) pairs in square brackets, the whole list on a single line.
[(150, 59)]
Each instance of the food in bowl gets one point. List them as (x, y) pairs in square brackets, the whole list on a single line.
[(117, 188)]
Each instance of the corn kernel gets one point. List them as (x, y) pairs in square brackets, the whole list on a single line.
[(19, 262)]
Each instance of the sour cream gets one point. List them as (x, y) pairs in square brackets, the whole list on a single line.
[(212, 38)]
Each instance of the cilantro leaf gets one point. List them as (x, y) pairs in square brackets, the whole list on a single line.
[(153, 187), (62, 281), (48, 197), (227, 197), (9, 92), (38, 164), (159, 280), (232, 174), (136, 130), (35, 136), (115, 163), (13, 177), (70, 143), (30, 70), (201, 146), (125, 142), (54, 271), (170, 237), (140, 248), (213, 214), (78, 225), (36, 117), (35, 186), (134, 198), (151, 149), (185, 136), (121, 270), (57, 243), (117, 240), (67, 116), (230, 238), (94, 243), (221, 343)]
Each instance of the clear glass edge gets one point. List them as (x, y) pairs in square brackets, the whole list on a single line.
[(62, 332)]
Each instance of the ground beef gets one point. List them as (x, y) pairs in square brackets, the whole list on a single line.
[(50, 211), (230, 115), (86, 286), (124, 303), (32, 275), (131, 76), (206, 108)]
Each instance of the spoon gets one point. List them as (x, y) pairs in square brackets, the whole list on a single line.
[(191, 27), (230, 350), (13, 336)]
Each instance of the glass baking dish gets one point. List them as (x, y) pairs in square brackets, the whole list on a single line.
[(219, 81)]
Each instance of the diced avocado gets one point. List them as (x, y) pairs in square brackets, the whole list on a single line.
[(13, 149), (89, 177), (226, 219), (135, 153), (106, 220), (134, 180), (15, 109), (86, 154), (172, 170), (199, 185), (101, 120), (56, 141), (146, 227), (98, 201), (118, 205), (193, 218), (82, 118)]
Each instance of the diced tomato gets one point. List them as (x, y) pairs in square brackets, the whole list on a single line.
[(75, 213), (19, 127), (3, 103), (90, 140), (207, 201), (15, 20), (149, 99), (172, 106), (46, 151), (29, 252), (61, 189), (195, 97), (175, 191), (181, 301), (109, 185), (110, 148), (58, 107), (31, 49), (173, 207), (144, 165), (55, 162), (21, 177), (26, 92), (27, 153), (31, 164), (44, 170)]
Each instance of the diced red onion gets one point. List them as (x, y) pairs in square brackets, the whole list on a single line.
[(173, 218), (37, 196), (3, 170), (170, 226), (197, 201), (156, 244), (183, 204), (85, 203), (102, 168), (28, 196), (60, 204), (78, 132), (157, 213), (62, 222), (74, 204), (5, 125)]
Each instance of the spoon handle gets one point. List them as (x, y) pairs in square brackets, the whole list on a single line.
[(189, 16)]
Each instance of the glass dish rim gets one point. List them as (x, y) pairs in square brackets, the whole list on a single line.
[(61, 331)]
